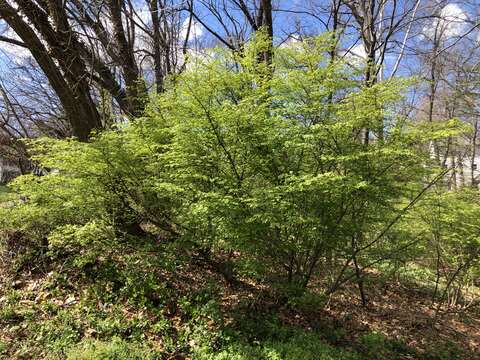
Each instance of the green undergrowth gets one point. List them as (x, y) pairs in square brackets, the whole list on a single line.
[(137, 304), (56, 318)]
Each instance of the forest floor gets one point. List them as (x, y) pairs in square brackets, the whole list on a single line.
[(192, 314)]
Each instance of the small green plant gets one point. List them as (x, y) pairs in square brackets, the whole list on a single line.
[(444, 351), (377, 346), (59, 333), (374, 345), (115, 349), (3, 347), (308, 302), (299, 345), (6, 194), (8, 314)]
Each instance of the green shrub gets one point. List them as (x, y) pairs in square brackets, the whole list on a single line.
[(252, 162)]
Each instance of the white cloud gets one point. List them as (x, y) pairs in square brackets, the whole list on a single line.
[(356, 55), (451, 22), (358, 51), (196, 30), (293, 42), (144, 15)]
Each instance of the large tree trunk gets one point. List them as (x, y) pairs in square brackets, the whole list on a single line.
[(265, 21), (136, 89), (157, 40), (473, 155), (365, 15), (69, 77)]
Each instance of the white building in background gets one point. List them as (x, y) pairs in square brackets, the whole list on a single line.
[(464, 171)]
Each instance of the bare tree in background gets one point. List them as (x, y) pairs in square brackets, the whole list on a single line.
[(232, 30), (445, 48), (378, 22)]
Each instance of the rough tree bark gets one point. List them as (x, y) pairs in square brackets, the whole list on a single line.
[(69, 77)]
